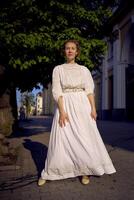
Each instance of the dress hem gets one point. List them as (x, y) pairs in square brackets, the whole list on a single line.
[(73, 176), (98, 172)]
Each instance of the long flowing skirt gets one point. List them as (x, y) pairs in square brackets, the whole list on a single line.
[(77, 148)]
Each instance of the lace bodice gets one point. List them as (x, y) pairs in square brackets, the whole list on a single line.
[(71, 76)]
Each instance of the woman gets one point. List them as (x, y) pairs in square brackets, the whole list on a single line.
[(75, 146)]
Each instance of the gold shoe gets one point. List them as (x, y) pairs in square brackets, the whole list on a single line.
[(41, 182), (85, 180)]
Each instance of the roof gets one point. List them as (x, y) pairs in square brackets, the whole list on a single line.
[(123, 9)]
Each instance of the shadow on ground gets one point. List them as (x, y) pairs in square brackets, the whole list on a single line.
[(33, 126), (117, 134), (38, 153)]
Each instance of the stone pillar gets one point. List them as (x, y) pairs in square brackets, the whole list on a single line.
[(105, 85), (105, 88), (119, 81)]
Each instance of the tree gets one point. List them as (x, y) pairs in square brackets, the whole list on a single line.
[(32, 32), (31, 35)]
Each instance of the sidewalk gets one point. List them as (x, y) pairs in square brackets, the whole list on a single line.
[(21, 183)]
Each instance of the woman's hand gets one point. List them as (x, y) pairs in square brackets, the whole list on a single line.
[(94, 114), (63, 118)]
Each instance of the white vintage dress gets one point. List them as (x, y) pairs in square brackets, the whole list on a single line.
[(77, 148)]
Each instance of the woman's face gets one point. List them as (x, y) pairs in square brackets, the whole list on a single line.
[(70, 51)]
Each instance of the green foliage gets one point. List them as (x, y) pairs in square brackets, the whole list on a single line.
[(32, 33)]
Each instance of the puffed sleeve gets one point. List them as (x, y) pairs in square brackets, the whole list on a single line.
[(56, 84), (89, 83)]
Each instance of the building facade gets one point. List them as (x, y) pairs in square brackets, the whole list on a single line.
[(116, 83), (39, 104)]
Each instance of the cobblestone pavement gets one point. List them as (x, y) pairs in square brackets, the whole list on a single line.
[(19, 182)]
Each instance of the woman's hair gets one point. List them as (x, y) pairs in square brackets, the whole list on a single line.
[(72, 41)]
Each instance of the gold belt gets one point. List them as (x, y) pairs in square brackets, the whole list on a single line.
[(73, 89)]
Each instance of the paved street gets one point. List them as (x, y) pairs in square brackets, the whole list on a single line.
[(19, 182)]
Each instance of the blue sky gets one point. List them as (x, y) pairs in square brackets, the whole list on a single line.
[(35, 91)]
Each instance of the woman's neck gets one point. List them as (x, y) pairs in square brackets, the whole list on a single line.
[(71, 62)]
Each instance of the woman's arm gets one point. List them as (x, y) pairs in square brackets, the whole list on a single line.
[(60, 104), (92, 101), (89, 90), (63, 116), (58, 96), (93, 107)]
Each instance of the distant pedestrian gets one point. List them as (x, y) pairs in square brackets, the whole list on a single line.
[(75, 147), (22, 113)]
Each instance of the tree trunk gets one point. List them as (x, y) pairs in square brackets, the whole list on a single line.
[(8, 105), (8, 115)]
